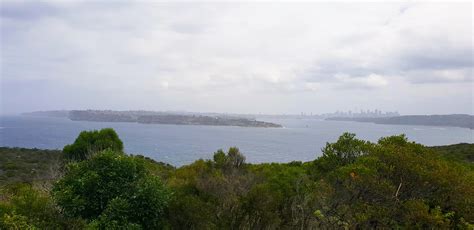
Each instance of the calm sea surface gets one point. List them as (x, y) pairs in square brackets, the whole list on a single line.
[(300, 139)]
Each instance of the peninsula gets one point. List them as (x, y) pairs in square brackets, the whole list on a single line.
[(153, 117)]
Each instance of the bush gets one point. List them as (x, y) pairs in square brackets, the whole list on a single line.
[(112, 189), (28, 208), (90, 142)]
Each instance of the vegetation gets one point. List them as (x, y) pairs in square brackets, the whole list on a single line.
[(356, 184), (150, 117), (29, 165), (112, 190), (90, 142), (25, 207), (459, 152)]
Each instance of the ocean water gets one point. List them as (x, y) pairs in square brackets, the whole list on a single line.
[(300, 139)]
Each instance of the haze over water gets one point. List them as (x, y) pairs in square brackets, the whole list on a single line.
[(300, 139)]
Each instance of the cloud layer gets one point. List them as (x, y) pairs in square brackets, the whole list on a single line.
[(228, 57)]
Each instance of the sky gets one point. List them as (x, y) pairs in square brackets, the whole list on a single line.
[(272, 58)]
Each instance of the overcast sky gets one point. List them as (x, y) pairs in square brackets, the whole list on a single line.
[(416, 58)]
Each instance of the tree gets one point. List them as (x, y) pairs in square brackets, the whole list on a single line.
[(233, 160), (112, 189), (90, 142), (393, 184), (344, 151), (24, 207)]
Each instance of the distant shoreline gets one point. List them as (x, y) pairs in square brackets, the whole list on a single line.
[(453, 120), (150, 117), (244, 120)]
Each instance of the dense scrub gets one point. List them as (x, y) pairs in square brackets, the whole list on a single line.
[(459, 152), (29, 165), (356, 184)]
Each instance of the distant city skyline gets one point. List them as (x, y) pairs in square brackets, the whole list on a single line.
[(271, 58)]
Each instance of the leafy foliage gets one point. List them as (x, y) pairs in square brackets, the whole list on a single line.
[(396, 177), (29, 165), (459, 152), (393, 183), (112, 188), (355, 184), (90, 142), (24, 207)]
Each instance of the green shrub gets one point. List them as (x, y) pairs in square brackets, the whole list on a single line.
[(90, 142), (112, 182)]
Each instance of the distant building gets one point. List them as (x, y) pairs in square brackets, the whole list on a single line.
[(362, 113)]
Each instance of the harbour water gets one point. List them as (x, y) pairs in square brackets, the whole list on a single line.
[(300, 139)]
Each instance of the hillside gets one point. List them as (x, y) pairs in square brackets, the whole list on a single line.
[(393, 183), (152, 117), (29, 165), (35, 165), (453, 120), (459, 152)]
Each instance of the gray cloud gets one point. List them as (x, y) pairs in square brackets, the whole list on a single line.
[(441, 76), (439, 59), (234, 57), (20, 10)]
